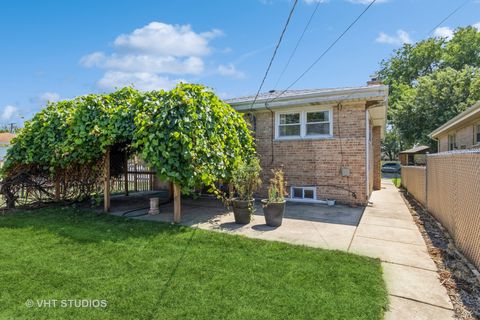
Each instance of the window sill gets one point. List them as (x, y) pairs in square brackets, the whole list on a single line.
[(298, 138)]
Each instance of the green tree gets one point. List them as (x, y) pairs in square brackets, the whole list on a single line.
[(391, 144), (431, 82), (434, 100)]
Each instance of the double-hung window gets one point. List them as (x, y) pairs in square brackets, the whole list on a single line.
[(304, 124), (289, 125), (452, 141), (477, 134), (318, 123)]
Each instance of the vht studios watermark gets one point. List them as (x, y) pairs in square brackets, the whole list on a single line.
[(66, 303)]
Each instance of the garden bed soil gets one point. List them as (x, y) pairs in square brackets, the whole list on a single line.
[(457, 274)]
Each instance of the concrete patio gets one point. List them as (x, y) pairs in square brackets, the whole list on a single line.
[(307, 224), (385, 230)]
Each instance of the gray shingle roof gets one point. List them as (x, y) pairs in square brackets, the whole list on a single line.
[(289, 94)]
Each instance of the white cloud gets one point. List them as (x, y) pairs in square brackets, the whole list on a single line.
[(230, 71), (444, 32), (145, 63), (141, 80), (148, 56), (92, 59), (49, 96), (8, 112), (476, 25), (400, 38), (166, 39)]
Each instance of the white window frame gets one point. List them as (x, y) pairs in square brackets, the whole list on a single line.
[(277, 124), (476, 132), (454, 140), (303, 124), (303, 194)]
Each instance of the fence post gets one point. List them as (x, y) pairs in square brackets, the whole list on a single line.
[(426, 183), (135, 183)]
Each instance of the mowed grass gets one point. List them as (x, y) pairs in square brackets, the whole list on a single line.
[(149, 270)]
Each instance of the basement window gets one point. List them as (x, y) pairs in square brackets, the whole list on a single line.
[(303, 193)]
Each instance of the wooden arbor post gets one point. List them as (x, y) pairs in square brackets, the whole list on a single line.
[(57, 189), (126, 173), (106, 182), (177, 203)]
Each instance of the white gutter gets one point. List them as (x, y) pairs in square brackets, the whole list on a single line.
[(367, 164), (373, 92)]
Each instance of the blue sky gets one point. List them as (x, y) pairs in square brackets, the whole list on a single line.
[(60, 49)]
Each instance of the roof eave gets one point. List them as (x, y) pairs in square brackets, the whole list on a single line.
[(473, 110), (373, 92)]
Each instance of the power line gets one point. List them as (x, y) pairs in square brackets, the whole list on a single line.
[(448, 16), (325, 51), (298, 43), (274, 52)]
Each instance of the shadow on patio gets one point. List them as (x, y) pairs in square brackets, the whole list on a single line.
[(310, 224)]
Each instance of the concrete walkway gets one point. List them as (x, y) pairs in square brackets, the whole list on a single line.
[(387, 231)]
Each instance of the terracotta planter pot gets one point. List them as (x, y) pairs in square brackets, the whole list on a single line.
[(243, 210), (273, 212)]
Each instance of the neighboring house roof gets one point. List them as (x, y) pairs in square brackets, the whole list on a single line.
[(291, 98), (416, 149), (462, 118), (5, 137)]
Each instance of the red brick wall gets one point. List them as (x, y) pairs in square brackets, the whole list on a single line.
[(318, 162)]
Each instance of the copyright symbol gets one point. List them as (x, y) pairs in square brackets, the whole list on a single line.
[(29, 303)]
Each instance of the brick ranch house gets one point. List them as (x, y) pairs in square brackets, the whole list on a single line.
[(327, 140)]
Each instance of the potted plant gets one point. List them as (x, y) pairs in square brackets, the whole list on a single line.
[(274, 206), (245, 180)]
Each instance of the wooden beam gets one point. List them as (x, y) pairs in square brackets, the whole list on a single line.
[(126, 173), (106, 182), (57, 189), (176, 203)]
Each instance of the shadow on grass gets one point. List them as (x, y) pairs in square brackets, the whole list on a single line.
[(87, 226)]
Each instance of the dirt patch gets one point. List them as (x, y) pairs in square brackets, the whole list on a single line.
[(457, 274)]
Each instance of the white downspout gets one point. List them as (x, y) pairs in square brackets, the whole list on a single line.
[(367, 139)]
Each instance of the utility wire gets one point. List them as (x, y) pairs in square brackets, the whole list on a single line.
[(274, 52), (298, 43), (449, 15), (325, 51)]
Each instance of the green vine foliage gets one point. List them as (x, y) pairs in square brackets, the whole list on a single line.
[(188, 135), (191, 136)]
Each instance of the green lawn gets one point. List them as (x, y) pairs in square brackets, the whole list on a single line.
[(148, 270), (397, 181)]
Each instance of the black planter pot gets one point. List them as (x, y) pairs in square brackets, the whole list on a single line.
[(242, 210), (273, 212)]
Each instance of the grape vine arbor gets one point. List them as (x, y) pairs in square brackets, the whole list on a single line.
[(187, 134)]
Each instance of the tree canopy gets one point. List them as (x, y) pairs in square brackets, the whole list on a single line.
[(188, 134), (431, 82)]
